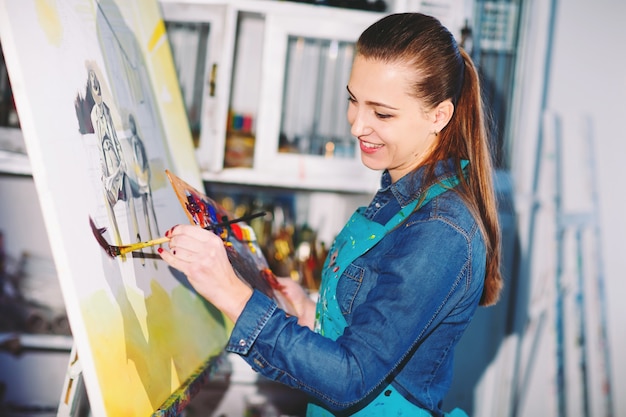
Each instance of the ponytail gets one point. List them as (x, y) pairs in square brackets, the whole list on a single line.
[(469, 126)]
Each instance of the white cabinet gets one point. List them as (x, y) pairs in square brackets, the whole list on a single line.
[(202, 37), (274, 99)]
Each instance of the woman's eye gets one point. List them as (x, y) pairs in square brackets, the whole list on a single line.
[(382, 116), (351, 99)]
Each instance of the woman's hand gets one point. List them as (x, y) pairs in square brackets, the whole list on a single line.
[(304, 307), (201, 256)]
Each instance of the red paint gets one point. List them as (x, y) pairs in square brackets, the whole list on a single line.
[(270, 278), (237, 231)]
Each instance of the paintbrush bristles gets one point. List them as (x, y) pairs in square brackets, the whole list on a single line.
[(113, 250)]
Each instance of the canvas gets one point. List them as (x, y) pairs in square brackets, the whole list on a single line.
[(103, 118)]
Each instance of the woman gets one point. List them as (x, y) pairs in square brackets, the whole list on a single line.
[(406, 274)]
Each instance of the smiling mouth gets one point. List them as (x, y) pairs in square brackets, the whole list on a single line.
[(369, 147)]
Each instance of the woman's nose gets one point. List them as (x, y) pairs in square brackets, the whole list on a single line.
[(359, 125)]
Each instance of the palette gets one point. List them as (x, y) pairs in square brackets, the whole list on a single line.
[(240, 241)]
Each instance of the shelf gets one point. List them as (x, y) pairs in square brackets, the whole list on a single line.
[(13, 157), (14, 163), (245, 176), (20, 342), (281, 7)]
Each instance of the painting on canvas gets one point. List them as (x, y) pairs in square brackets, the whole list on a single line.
[(103, 119)]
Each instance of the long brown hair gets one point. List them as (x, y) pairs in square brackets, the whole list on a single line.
[(444, 71)]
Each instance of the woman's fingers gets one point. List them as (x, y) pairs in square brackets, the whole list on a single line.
[(186, 244), (200, 254), (193, 239), (176, 258), (193, 231)]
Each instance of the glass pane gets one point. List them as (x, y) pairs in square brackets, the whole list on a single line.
[(245, 91), (314, 102), (189, 43), (495, 53)]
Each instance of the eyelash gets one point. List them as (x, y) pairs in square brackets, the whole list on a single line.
[(381, 116)]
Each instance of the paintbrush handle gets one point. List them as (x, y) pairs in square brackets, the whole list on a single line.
[(140, 245), (226, 223)]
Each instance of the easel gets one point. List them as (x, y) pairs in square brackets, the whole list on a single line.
[(583, 226), (580, 223), (74, 401)]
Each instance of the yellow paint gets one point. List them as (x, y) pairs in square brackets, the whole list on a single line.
[(157, 35), (158, 179), (137, 300), (49, 21), (170, 102), (183, 332), (175, 382)]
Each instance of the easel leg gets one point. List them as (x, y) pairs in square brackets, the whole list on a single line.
[(74, 401)]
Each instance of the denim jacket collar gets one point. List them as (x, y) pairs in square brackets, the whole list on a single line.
[(411, 186)]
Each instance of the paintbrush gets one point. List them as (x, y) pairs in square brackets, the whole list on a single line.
[(113, 250)]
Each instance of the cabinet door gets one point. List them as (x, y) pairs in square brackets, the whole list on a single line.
[(302, 134), (202, 38)]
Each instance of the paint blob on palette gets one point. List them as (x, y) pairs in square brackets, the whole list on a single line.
[(239, 238)]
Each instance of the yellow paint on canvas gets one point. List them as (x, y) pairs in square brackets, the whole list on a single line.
[(170, 101), (158, 35), (49, 20), (137, 300), (183, 332)]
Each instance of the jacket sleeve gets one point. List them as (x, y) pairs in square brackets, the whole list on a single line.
[(418, 284)]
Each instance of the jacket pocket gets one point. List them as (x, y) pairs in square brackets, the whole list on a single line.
[(348, 287)]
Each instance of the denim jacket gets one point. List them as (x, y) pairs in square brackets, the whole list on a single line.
[(407, 302)]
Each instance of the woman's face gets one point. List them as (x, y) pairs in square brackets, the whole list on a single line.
[(394, 130)]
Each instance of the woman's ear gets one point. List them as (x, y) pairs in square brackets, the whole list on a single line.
[(442, 114)]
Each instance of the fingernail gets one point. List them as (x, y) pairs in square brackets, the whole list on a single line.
[(167, 234), (160, 250), (174, 252)]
